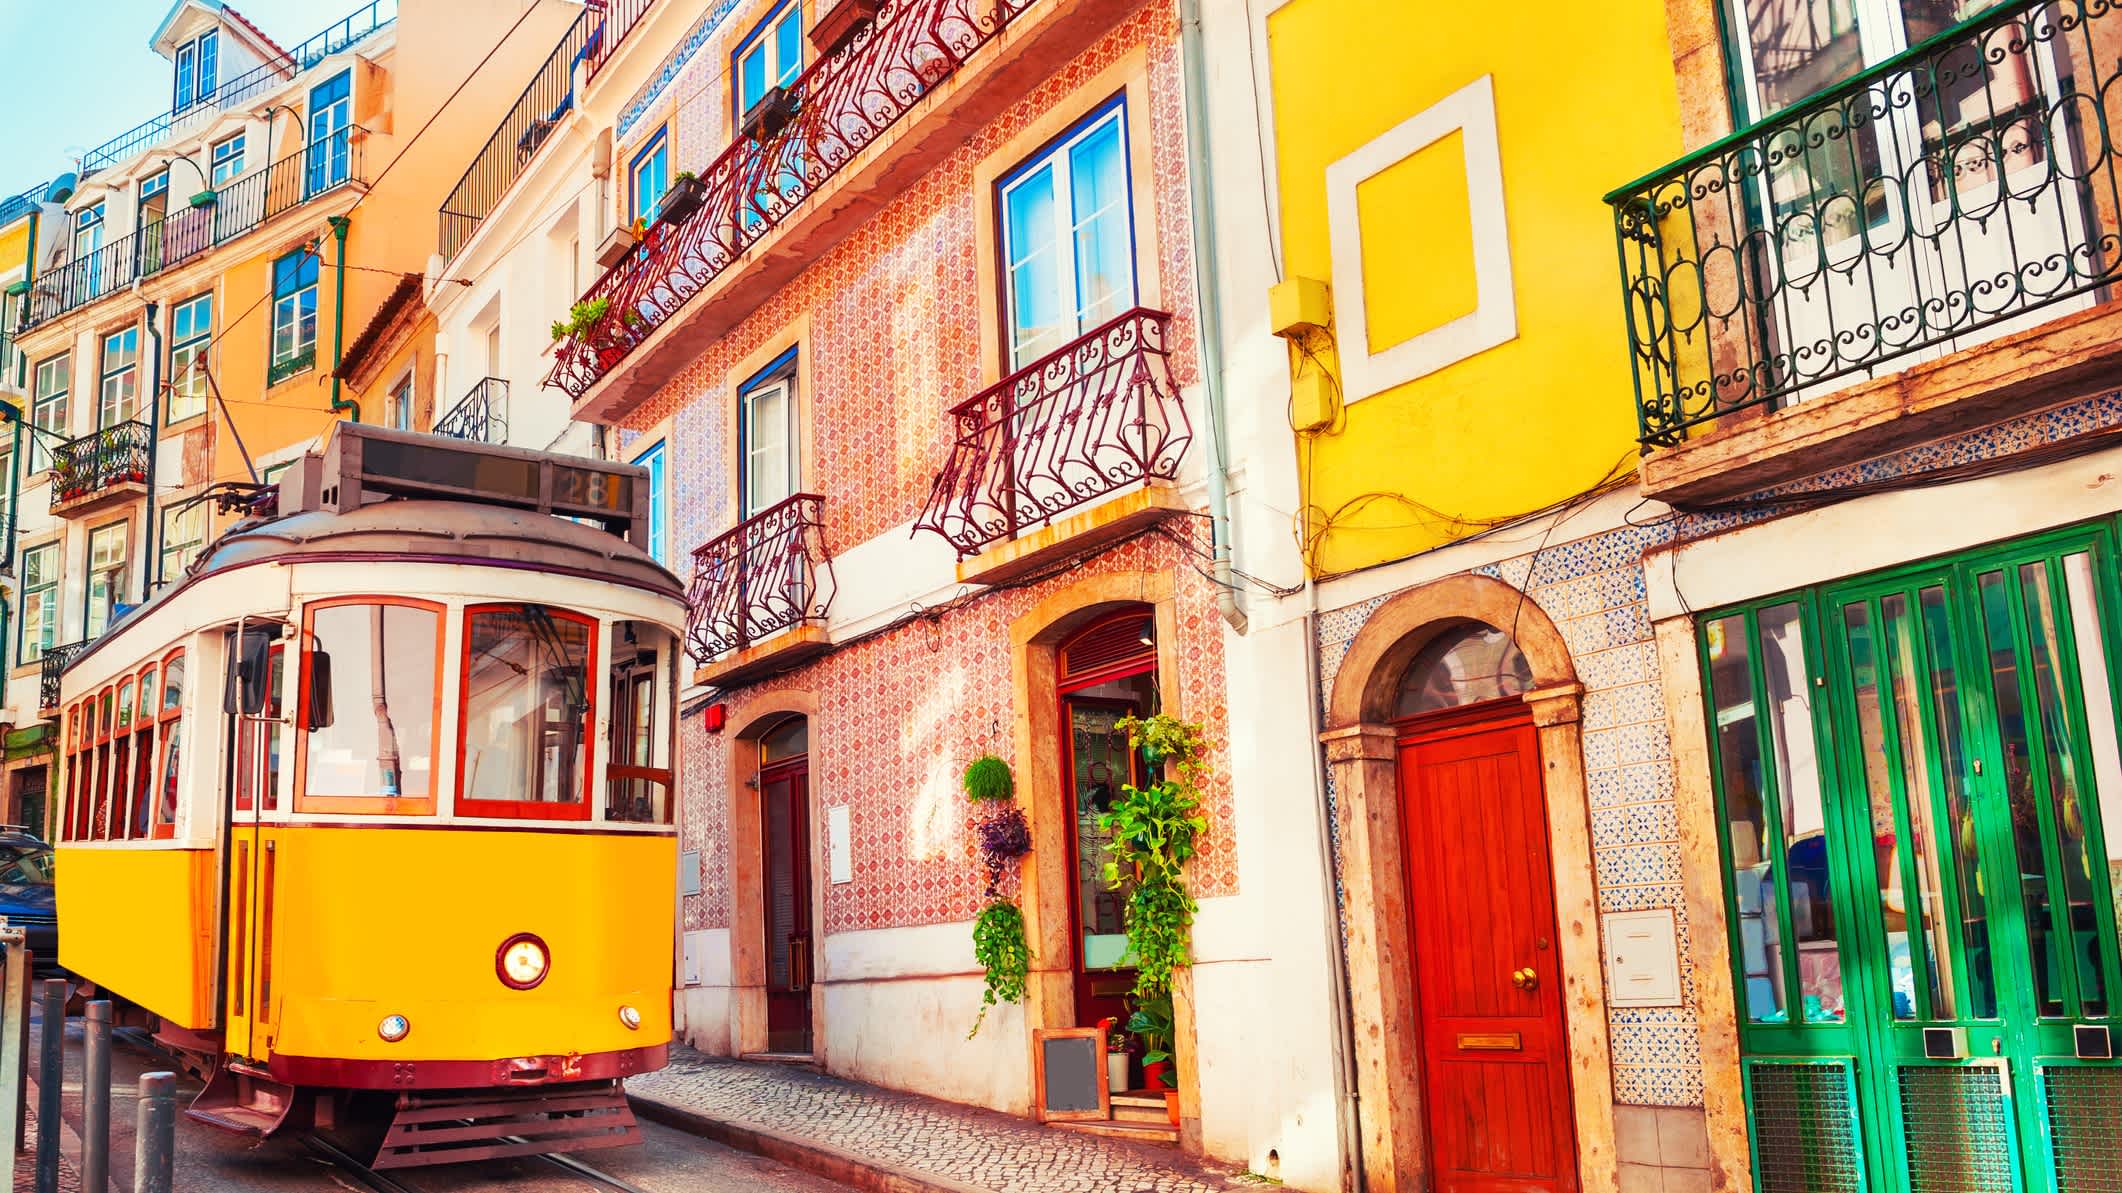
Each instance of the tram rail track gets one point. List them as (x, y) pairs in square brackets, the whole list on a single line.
[(390, 1182)]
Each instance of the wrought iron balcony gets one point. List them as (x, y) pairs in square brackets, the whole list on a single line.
[(1088, 419), (52, 664), (835, 109), (101, 466), (356, 27), (1965, 188), (230, 212), (480, 415), (767, 574), (549, 96)]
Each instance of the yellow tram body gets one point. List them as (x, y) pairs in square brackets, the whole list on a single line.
[(379, 796)]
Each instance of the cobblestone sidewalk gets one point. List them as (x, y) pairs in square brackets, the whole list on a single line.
[(922, 1135), (26, 1163)]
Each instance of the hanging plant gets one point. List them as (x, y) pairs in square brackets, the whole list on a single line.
[(1151, 833), (1004, 837), (987, 778), (1000, 948)]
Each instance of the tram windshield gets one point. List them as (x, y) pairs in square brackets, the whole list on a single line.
[(374, 736), (528, 708)]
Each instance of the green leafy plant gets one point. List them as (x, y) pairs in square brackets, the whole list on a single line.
[(685, 176), (582, 317), (988, 777), (1000, 947), (1151, 1023), (1151, 831)]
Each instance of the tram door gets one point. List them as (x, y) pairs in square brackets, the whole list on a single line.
[(1980, 819), (255, 775)]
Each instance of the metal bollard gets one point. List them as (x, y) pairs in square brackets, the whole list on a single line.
[(51, 1081), (96, 1099), (155, 1147)]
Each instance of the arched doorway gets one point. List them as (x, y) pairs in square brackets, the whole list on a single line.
[(1481, 918), (789, 948), (1105, 672)]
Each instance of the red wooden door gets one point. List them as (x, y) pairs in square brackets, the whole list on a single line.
[(1495, 1063), (785, 824)]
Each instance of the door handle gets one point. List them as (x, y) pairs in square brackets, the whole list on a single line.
[(1524, 979)]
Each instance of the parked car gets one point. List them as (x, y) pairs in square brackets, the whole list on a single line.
[(26, 897)]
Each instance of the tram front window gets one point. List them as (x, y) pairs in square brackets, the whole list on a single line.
[(374, 737), (527, 712)]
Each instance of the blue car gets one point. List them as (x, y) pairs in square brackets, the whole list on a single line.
[(26, 897)]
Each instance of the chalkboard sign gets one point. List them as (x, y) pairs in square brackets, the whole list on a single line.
[(1068, 1074)]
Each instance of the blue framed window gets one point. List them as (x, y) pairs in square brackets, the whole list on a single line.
[(331, 106), (198, 70), (227, 161), (658, 503), (294, 314), (771, 55), (769, 456), (650, 175), (154, 197), (1068, 236)]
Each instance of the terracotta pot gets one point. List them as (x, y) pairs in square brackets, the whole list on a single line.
[(1171, 1106)]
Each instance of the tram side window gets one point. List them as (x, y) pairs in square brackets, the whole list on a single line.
[(100, 828), (638, 774), (70, 820), (121, 782), (171, 722), (528, 708), (143, 796), (368, 714)]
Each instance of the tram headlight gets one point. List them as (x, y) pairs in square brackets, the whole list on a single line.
[(522, 961), (394, 1028), (630, 1017)]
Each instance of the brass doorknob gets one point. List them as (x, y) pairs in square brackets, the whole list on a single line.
[(1524, 979)]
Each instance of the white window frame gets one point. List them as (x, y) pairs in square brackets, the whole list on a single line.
[(48, 408), (226, 158), (656, 458), (174, 553), (113, 576), (1068, 270), (118, 387), (777, 380), (188, 361), (43, 597), (766, 39)]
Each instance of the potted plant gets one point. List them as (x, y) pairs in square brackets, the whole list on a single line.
[(681, 200), (206, 198), (1116, 1057), (582, 317), (1151, 1023), (841, 22), (1001, 949), (769, 115), (988, 778)]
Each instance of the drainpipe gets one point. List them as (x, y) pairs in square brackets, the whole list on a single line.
[(14, 500), (1210, 313), (149, 532), (339, 226)]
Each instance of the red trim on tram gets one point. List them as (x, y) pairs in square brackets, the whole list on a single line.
[(340, 1073)]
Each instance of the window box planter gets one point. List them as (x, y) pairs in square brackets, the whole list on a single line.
[(841, 22), (769, 116), (616, 246), (681, 200), (205, 199)]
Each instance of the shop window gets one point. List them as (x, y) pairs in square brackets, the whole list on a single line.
[(638, 771), (368, 705), (1067, 233), (527, 712)]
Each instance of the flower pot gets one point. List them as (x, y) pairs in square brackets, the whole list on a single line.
[(680, 201), (1153, 1073), (1116, 1072), (1171, 1106)]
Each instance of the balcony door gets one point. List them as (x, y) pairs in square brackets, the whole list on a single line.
[(1916, 215), (330, 112)]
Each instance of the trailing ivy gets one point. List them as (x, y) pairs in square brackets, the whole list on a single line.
[(1152, 831), (1000, 947)]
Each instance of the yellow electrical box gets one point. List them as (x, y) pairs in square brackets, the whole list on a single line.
[(1296, 305), (1313, 401)]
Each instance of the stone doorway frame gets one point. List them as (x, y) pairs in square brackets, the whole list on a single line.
[(743, 858), (1363, 757), (1035, 637)]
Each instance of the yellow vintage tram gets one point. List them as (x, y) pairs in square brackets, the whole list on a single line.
[(372, 810)]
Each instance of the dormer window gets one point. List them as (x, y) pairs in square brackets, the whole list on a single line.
[(198, 68)]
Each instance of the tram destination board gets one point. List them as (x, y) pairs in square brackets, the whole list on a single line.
[(367, 463)]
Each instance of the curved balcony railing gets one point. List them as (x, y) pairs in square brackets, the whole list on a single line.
[(181, 235), (798, 140), (116, 455), (51, 665), (548, 97), (1083, 421), (480, 416), (1947, 194), (767, 574)]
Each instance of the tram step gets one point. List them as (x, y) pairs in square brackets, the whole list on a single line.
[(485, 1124), (241, 1100)]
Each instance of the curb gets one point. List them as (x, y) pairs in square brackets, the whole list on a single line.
[(808, 1155)]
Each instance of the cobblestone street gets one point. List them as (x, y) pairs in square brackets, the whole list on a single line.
[(921, 1136)]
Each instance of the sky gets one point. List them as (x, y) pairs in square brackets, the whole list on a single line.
[(88, 63)]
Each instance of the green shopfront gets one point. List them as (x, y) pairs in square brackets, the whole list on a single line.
[(1920, 798)]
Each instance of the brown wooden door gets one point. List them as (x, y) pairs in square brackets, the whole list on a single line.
[(1495, 1063), (785, 824)]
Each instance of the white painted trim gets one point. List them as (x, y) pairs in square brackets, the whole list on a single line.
[(1470, 111)]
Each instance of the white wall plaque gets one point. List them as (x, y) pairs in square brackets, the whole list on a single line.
[(839, 866), (1642, 958), (688, 871)]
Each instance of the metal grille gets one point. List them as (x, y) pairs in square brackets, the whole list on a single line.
[(1805, 1128), (2085, 1127), (1956, 1129)]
